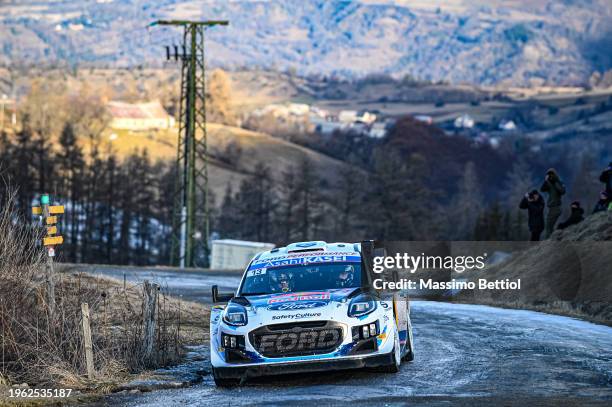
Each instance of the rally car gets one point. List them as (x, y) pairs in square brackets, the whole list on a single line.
[(303, 308)]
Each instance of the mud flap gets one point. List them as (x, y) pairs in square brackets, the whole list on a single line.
[(400, 308)]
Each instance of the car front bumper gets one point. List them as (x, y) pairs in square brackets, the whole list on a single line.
[(269, 369)]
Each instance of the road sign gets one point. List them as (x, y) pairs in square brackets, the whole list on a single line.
[(56, 210), (53, 210), (51, 230), (54, 240), (51, 220), (51, 251)]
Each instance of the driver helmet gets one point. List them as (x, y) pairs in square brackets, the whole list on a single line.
[(346, 276), (283, 282)]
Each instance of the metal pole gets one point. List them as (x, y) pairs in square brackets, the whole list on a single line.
[(2, 116), (183, 236), (191, 198), (44, 203), (191, 127)]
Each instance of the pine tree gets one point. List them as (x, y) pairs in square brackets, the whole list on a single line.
[(585, 186), (70, 167), (519, 182), (467, 204), (289, 202), (22, 170), (307, 184)]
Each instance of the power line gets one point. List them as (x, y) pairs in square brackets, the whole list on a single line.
[(191, 219)]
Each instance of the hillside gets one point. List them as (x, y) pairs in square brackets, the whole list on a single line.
[(568, 274), (253, 148), (479, 42)]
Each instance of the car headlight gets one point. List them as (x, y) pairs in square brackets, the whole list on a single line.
[(235, 315), (361, 305)]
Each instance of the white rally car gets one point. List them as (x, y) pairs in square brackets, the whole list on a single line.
[(303, 308)]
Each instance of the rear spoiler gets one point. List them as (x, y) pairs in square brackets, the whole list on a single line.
[(369, 250)]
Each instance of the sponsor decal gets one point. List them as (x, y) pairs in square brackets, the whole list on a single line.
[(313, 295), (296, 316), (307, 254), (293, 341), (291, 306), (269, 263)]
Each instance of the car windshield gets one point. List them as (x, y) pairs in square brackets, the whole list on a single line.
[(287, 279)]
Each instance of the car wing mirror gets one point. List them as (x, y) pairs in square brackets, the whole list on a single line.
[(220, 297)]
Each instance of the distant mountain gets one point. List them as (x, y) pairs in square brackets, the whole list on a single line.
[(518, 42)]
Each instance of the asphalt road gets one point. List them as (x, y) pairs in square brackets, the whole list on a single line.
[(191, 285), (464, 355)]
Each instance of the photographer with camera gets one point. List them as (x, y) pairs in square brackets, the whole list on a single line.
[(534, 203), (555, 189), (606, 178)]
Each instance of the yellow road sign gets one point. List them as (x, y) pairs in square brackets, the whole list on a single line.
[(50, 241), (56, 210), (53, 210), (51, 230), (51, 220)]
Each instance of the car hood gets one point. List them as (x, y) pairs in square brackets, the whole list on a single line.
[(300, 305)]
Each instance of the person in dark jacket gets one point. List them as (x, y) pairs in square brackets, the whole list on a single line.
[(575, 217), (603, 203), (534, 203), (555, 189), (606, 178)]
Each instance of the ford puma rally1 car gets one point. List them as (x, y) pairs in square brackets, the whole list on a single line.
[(303, 308)]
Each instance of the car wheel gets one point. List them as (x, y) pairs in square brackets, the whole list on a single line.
[(224, 382), (396, 357), (409, 355)]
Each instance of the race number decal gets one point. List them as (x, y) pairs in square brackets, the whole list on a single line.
[(257, 272)]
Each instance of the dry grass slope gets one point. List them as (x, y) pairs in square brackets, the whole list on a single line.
[(254, 148), (569, 274)]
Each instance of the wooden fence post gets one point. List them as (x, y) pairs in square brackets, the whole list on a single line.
[(87, 341), (150, 318)]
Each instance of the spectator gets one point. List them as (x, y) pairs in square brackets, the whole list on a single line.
[(555, 189), (534, 203), (606, 178), (603, 203), (575, 217)]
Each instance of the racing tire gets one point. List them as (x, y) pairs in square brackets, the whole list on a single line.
[(396, 358), (409, 355), (224, 382)]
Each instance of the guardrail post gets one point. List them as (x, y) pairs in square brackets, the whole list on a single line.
[(150, 318), (89, 361)]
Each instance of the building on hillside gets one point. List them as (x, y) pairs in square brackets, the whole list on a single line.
[(378, 130), (464, 121), (353, 116), (507, 125), (423, 119), (235, 254), (327, 127), (139, 116), (285, 110), (347, 116)]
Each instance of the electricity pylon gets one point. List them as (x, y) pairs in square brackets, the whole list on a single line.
[(191, 223)]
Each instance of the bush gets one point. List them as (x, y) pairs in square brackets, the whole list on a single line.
[(44, 348)]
